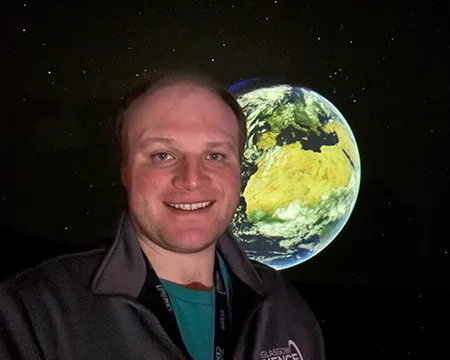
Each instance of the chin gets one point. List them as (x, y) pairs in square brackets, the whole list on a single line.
[(192, 243), (191, 248)]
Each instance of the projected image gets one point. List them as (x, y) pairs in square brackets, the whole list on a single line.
[(300, 175)]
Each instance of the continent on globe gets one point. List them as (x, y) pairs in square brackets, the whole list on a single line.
[(300, 174)]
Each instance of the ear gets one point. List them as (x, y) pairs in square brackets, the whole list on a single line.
[(124, 176)]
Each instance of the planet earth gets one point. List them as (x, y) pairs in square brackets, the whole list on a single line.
[(300, 173)]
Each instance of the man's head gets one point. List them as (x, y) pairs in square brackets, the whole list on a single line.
[(150, 86), (182, 143)]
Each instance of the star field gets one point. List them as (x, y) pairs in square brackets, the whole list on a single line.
[(383, 65)]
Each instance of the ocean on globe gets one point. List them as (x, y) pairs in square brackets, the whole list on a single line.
[(300, 173)]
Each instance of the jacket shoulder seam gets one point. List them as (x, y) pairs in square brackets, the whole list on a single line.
[(21, 275)]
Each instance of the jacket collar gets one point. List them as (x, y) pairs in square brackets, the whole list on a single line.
[(239, 263), (123, 269)]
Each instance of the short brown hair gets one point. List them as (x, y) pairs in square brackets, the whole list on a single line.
[(151, 85)]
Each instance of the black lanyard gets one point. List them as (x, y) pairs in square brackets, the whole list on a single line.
[(155, 297)]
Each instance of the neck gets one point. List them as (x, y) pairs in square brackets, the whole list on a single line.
[(191, 270)]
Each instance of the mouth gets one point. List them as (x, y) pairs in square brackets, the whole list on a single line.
[(190, 207)]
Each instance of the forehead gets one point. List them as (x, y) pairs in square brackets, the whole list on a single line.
[(186, 108), (183, 96)]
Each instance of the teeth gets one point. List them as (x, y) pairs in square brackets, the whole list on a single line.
[(196, 206)]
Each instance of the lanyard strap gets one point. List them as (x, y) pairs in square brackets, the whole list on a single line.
[(155, 297)]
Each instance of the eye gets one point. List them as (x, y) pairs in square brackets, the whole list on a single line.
[(161, 156), (215, 156)]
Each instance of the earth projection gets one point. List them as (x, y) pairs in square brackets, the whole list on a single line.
[(300, 173)]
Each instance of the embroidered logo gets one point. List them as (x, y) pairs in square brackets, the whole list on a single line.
[(290, 352)]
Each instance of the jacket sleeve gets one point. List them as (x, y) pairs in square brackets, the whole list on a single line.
[(17, 338), (294, 312), (310, 322)]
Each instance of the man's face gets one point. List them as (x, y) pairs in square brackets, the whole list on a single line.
[(183, 171)]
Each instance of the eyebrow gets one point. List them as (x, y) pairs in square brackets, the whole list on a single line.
[(145, 141)]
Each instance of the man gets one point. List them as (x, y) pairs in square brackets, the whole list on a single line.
[(174, 284)]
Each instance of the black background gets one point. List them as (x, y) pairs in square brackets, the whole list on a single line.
[(381, 288)]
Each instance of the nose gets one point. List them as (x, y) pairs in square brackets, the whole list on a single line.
[(190, 174)]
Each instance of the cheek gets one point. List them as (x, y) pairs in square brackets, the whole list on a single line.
[(147, 181), (232, 183)]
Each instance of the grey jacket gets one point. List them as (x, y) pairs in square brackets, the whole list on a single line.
[(83, 306)]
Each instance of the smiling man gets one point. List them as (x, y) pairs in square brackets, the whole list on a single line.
[(182, 175), (174, 284)]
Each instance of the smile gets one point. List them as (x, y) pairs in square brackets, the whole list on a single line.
[(194, 206)]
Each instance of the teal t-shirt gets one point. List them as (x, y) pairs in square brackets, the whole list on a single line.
[(194, 310)]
